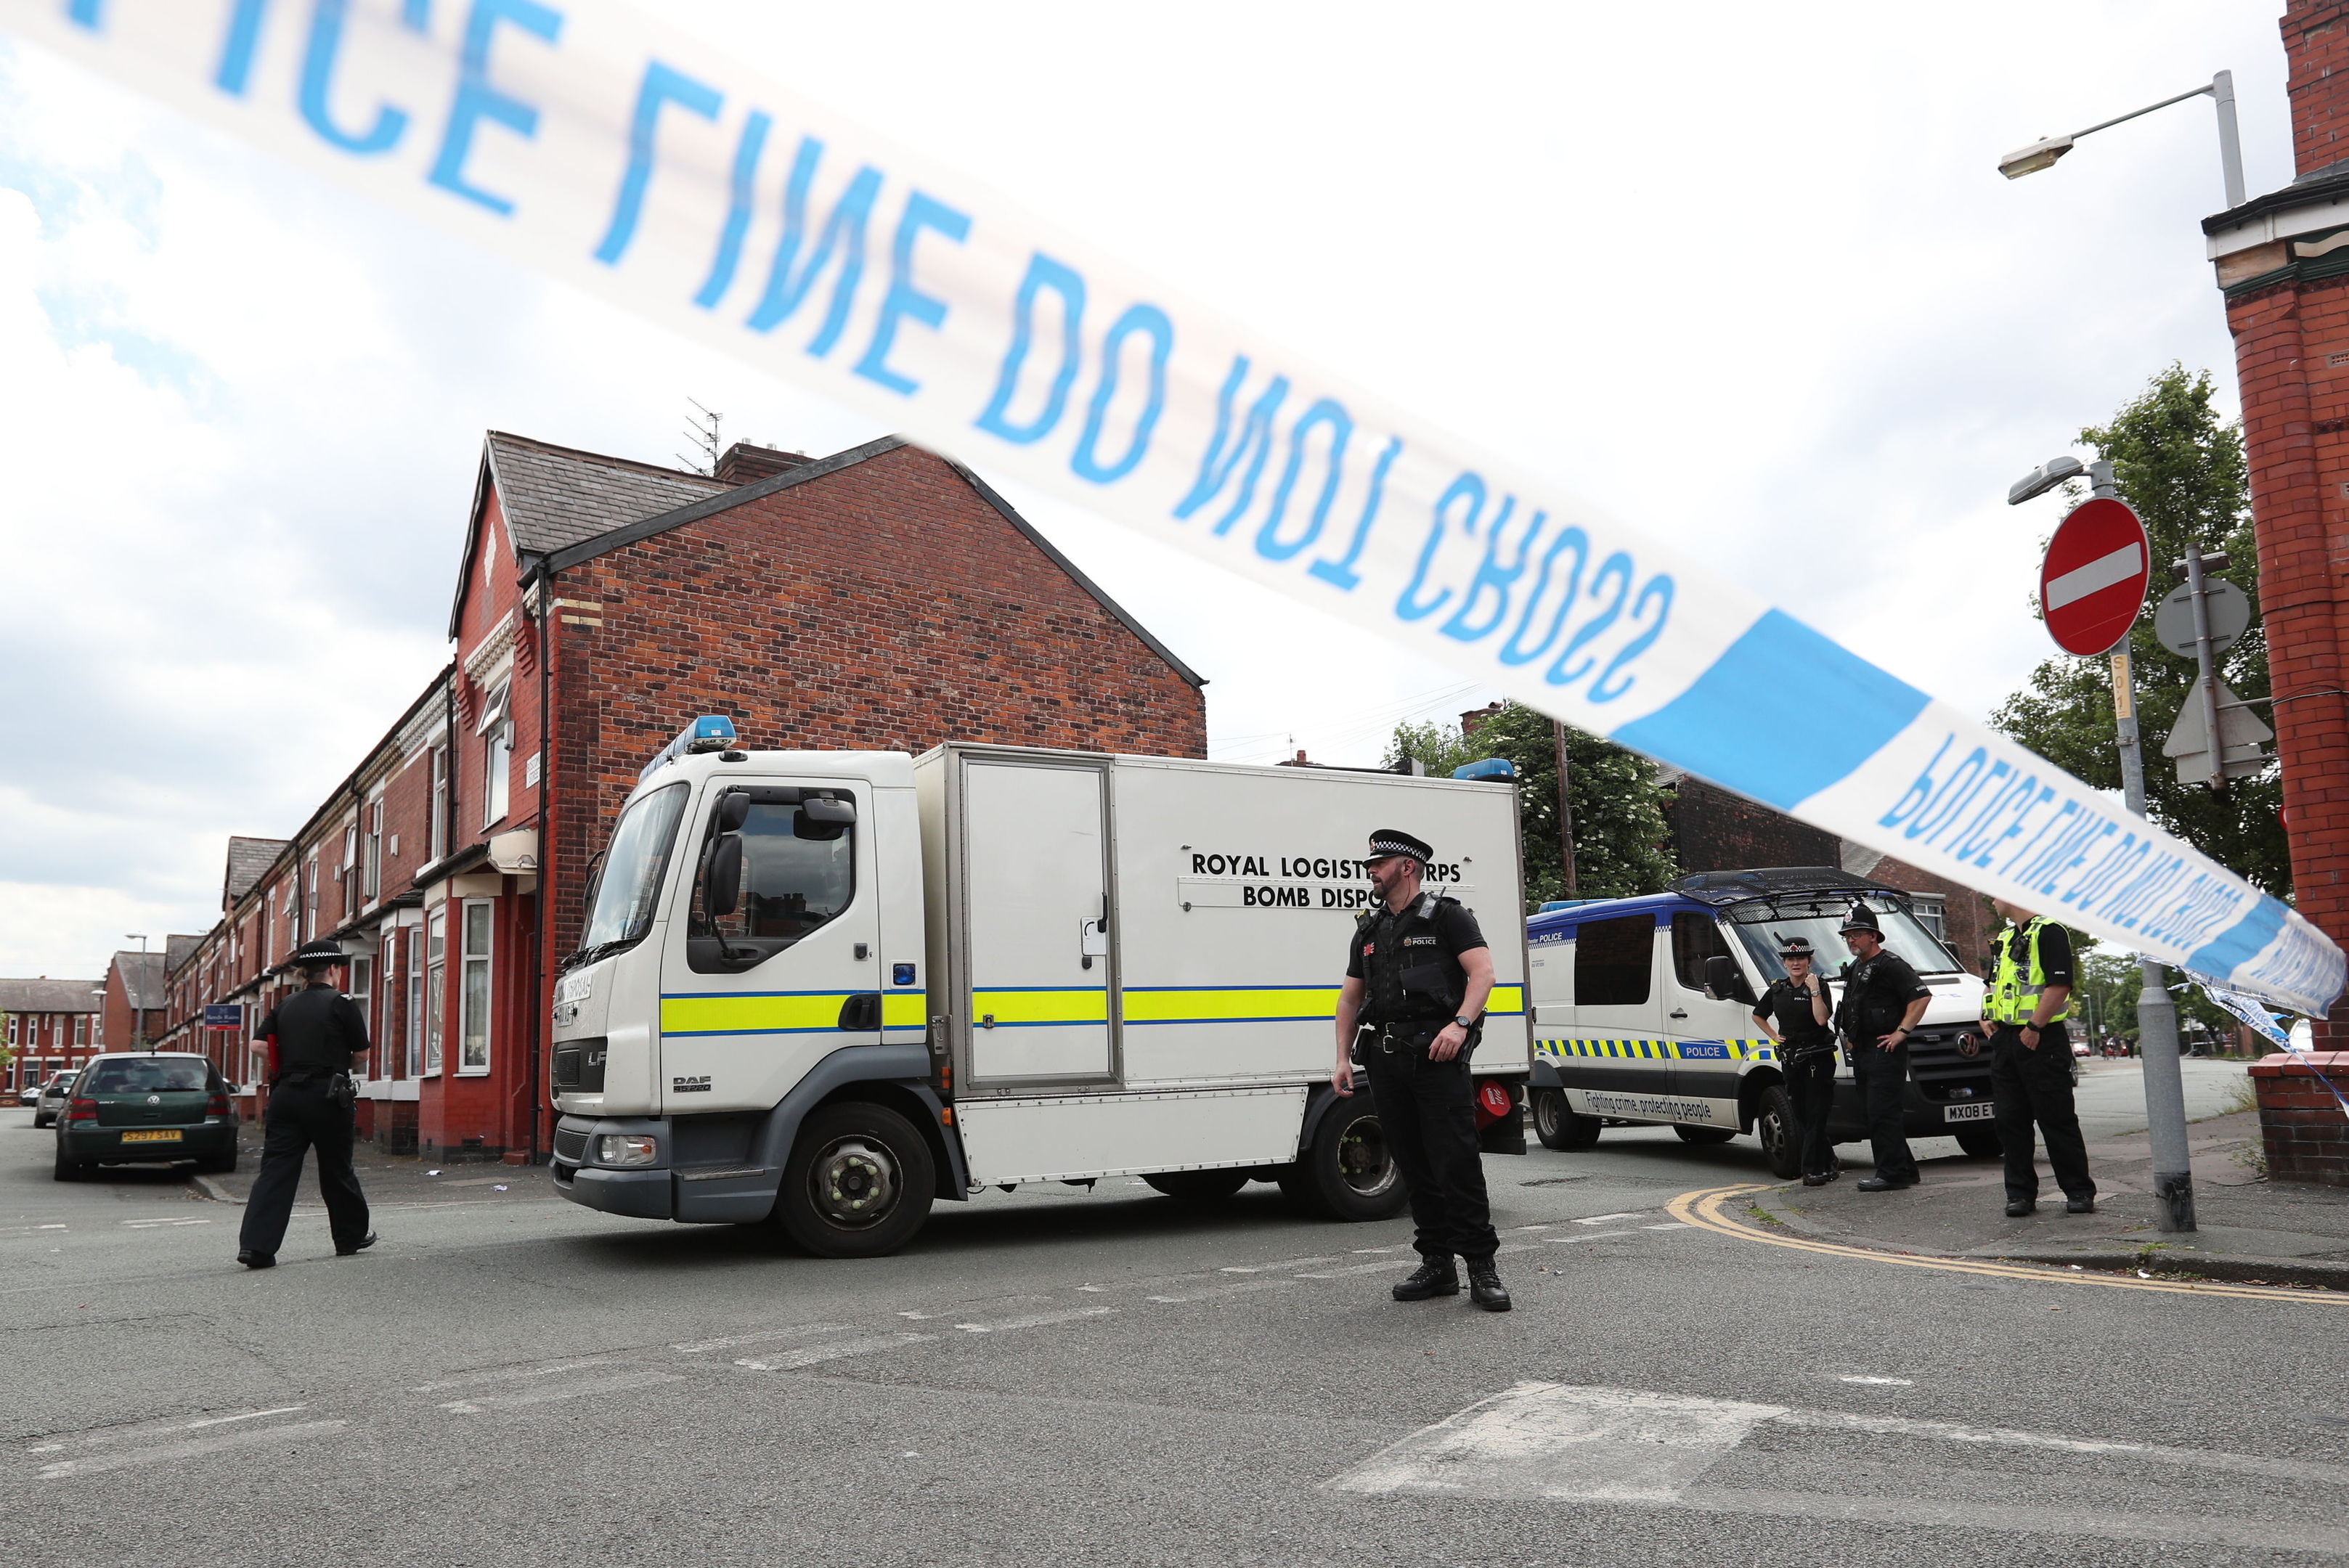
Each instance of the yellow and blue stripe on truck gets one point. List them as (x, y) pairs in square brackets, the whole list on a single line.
[(690, 1013)]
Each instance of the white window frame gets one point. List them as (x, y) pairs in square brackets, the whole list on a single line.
[(371, 852), (474, 1019), (81, 1031), (437, 830), (496, 730), (436, 985)]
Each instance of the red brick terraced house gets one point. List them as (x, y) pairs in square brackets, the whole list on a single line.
[(51, 1025), (881, 598)]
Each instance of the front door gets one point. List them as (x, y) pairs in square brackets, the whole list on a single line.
[(1040, 952), (752, 999)]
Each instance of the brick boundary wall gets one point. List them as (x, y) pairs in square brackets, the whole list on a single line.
[(2301, 1124)]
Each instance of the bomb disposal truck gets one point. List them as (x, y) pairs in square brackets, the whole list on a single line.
[(817, 990), (1643, 1014)]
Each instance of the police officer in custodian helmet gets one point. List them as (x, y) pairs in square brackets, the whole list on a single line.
[(316, 1036), (1417, 974)]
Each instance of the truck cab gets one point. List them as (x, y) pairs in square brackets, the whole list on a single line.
[(1643, 1016)]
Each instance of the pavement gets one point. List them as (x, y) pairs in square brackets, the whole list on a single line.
[(1109, 1377), (2247, 1228)]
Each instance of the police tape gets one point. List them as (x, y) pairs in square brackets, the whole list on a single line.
[(585, 139)]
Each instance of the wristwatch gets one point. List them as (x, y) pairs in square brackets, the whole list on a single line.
[(1465, 1023)]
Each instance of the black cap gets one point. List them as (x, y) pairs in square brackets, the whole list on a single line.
[(1795, 947), (1861, 918), (1386, 842), (311, 955)]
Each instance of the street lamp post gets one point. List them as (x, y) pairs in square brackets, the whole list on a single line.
[(2043, 154), (2156, 1014)]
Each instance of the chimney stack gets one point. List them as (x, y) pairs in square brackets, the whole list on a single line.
[(746, 462)]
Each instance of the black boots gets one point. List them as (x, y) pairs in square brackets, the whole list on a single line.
[(362, 1244), (1485, 1286), (1434, 1276), (252, 1260)]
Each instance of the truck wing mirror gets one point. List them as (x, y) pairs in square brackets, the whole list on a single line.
[(1724, 981), (733, 810), (722, 889), (820, 818)]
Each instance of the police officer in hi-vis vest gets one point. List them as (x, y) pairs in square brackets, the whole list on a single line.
[(1417, 974), (2030, 996)]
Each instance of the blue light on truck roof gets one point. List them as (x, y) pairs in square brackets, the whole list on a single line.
[(710, 732), (1490, 767)]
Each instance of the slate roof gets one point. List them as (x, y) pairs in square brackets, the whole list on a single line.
[(48, 995), (249, 861), (554, 496), (142, 978), (177, 948)]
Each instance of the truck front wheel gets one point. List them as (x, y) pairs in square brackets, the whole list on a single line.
[(858, 1183), (1348, 1173)]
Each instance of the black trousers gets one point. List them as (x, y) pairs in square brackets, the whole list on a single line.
[(1810, 1089), (303, 1117), (2027, 1087), (1427, 1111), (1884, 1093)]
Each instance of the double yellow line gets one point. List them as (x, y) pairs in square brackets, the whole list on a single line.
[(1703, 1210)]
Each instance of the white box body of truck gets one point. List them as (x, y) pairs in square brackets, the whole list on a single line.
[(1038, 965)]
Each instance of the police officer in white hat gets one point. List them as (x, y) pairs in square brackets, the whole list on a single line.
[(1417, 974)]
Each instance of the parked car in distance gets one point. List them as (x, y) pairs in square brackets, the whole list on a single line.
[(146, 1108), (47, 1108), (29, 1095)]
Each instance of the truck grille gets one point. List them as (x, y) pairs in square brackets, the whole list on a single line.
[(579, 1066), (571, 1146)]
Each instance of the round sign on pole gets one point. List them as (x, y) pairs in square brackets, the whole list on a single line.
[(2092, 584), (2230, 610)]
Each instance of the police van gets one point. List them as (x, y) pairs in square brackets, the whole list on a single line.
[(1643, 1014), (819, 990)]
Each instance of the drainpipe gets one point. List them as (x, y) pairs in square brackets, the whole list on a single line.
[(541, 927)]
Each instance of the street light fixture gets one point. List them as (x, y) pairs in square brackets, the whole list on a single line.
[(2043, 153), (2044, 478)]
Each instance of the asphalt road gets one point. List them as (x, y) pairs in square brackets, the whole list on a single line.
[(1070, 1377)]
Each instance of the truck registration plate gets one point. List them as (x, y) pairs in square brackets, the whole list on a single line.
[(1978, 1111), (169, 1136)]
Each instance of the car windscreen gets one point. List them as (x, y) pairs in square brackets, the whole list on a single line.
[(1765, 927), (633, 869), (152, 1076)]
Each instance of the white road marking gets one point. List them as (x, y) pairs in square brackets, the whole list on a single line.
[(1364, 1251), (1950, 1431), (798, 1331), (1268, 1268), (150, 1430), (640, 1378), (151, 1225), (508, 1374), (1610, 1218), (125, 1457), (1896, 1382), (1035, 1320), (1667, 1225), (918, 1316), (2066, 1524), (1412, 1261), (1210, 1292), (809, 1355), (1550, 1440)]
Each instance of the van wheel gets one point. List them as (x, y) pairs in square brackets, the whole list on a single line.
[(1979, 1142), (1556, 1125), (1348, 1173), (1773, 1124), (1198, 1186), (858, 1183), (1690, 1134)]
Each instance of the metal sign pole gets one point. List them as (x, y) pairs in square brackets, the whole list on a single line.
[(2156, 1013), (2206, 685)]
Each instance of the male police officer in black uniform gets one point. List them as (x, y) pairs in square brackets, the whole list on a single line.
[(1793, 1013), (1417, 974), (318, 1035), (1882, 1000)]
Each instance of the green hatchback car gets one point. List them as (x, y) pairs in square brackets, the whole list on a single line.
[(147, 1108)]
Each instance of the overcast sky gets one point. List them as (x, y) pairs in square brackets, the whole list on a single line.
[(1746, 274)]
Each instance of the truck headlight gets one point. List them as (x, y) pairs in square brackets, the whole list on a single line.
[(625, 1148)]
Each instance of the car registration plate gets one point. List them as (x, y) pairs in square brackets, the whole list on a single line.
[(1977, 1110), (169, 1136)]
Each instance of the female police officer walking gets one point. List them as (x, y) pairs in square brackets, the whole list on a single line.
[(1417, 974)]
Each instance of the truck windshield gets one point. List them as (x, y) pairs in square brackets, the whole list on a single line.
[(633, 870), (1763, 928)]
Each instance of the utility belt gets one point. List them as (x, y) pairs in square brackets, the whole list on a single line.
[(1409, 1036), (339, 1086)]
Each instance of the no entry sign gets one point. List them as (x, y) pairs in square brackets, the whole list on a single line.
[(2092, 584)]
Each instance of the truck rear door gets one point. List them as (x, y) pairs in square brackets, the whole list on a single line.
[(1040, 960)]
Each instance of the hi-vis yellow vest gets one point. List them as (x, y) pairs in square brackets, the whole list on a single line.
[(2014, 986)]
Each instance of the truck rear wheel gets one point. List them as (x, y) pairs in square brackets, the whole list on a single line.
[(1690, 1133), (1773, 1124), (1348, 1173), (1980, 1141), (1198, 1186), (858, 1183), (1556, 1125)]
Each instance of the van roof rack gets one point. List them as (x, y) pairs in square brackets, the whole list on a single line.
[(1720, 889)]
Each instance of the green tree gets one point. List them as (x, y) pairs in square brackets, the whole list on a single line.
[(2182, 467), (1621, 842)]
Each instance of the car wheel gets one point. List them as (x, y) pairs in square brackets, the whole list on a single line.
[(858, 1184), (1980, 1141), (1348, 1173), (218, 1164), (71, 1170), (40, 1120), (1198, 1186), (1689, 1134), (1773, 1124)]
